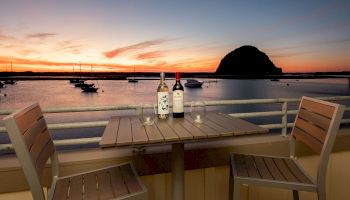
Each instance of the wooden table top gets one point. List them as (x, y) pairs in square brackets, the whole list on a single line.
[(128, 130)]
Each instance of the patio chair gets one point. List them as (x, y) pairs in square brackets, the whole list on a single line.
[(32, 142), (316, 125)]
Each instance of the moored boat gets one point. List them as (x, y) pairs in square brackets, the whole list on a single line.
[(76, 81), (193, 83), (81, 85), (10, 81), (89, 89)]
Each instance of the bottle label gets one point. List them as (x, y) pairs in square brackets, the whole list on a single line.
[(178, 101), (163, 103)]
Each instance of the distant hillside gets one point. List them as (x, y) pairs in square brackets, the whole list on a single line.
[(247, 60)]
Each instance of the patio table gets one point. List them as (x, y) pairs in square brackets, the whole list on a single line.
[(128, 131)]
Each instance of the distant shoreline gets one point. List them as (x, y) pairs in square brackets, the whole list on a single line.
[(151, 75)]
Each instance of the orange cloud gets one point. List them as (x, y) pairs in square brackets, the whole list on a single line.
[(150, 55), (138, 46)]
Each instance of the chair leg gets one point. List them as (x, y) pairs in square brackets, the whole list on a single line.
[(236, 190), (321, 195), (295, 195), (230, 187)]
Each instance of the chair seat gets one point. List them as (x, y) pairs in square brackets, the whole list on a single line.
[(282, 172), (108, 183)]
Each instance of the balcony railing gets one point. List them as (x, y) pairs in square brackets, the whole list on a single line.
[(283, 112)]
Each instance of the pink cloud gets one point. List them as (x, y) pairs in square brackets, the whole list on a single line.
[(40, 35), (6, 37), (138, 46)]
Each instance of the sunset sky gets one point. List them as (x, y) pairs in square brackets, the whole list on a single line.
[(159, 35)]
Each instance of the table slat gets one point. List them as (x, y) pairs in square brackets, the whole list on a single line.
[(139, 134), (223, 123), (110, 133), (210, 132), (180, 130), (193, 130), (153, 134), (124, 136), (167, 132)]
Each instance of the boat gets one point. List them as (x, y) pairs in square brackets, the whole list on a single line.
[(10, 81), (81, 85), (89, 89), (132, 79), (193, 83), (76, 81), (1, 84)]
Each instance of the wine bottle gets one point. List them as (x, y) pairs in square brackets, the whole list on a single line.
[(178, 98), (163, 98)]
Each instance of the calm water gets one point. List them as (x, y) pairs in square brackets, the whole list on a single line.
[(60, 93)]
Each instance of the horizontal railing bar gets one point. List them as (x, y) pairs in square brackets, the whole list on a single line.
[(95, 124), (275, 126), (76, 141), (257, 114), (187, 104), (58, 143), (77, 125)]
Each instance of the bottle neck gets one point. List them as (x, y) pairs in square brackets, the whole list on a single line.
[(162, 77), (177, 76)]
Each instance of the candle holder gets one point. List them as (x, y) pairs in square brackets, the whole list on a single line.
[(198, 111), (146, 114)]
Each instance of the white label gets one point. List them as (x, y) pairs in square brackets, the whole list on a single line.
[(163, 103), (178, 101)]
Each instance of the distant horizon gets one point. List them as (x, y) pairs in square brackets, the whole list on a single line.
[(187, 36)]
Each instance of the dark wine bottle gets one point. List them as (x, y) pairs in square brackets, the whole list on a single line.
[(178, 98)]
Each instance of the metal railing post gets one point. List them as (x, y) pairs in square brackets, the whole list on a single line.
[(284, 119)]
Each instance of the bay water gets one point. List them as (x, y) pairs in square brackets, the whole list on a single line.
[(60, 93)]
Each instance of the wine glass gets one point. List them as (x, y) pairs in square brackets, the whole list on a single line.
[(146, 114), (198, 111)]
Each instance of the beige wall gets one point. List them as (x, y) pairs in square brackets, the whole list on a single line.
[(208, 180)]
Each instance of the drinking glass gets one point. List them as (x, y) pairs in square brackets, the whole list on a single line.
[(146, 114), (198, 111)]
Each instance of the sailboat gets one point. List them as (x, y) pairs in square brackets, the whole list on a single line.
[(132, 79), (89, 87), (10, 81)]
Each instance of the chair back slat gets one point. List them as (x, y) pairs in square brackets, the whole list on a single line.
[(43, 156), (31, 133), (312, 129), (308, 139), (312, 123), (32, 142), (22, 119), (318, 107), (314, 118)]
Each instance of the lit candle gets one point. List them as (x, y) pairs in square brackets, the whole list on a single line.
[(198, 118)]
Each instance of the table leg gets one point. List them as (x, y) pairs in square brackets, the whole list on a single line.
[(178, 170)]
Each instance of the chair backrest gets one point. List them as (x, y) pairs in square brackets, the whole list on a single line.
[(316, 125), (32, 142)]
